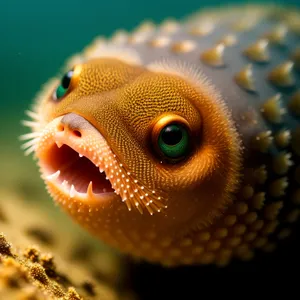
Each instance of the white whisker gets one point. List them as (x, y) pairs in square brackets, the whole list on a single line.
[(28, 136), (30, 124), (33, 115), (29, 143), (29, 150)]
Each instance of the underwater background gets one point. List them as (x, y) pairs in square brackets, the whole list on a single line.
[(37, 37)]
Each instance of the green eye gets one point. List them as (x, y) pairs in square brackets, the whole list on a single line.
[(64, 85), (173, 141)]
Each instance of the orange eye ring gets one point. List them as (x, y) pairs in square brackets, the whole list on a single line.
[(75, 77), (171, 137)]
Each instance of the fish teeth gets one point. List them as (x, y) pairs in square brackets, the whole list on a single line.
[(59, 144), (89, 191), (80, 155), (65, 185), (101, 170), (53, 176), (73, 192)]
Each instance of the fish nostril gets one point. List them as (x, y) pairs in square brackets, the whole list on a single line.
[(61, 127), (77, 133), (73, 124)]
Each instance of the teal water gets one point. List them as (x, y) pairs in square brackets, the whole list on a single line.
[(38, 36)]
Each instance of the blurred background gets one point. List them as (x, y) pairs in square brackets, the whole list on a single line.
[(36, 37)]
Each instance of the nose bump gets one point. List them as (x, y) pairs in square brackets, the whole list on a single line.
[(73, 123)]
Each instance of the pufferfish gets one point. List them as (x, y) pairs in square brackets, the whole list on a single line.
[(179, 143)]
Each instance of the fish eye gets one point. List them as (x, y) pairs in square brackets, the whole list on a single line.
[(66, 83), (171, 138)]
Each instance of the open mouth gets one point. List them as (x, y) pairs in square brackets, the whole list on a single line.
[(76, 162), (74, 171)]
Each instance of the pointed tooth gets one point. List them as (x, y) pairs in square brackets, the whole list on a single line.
[(53, 176), (90, 190), (65, 184), (72, 191), (59, 144), (80, 155), (101, 170)]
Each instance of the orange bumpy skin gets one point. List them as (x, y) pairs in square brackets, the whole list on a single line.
[(234, 190)]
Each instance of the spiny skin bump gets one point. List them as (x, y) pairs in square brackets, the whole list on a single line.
[(235, 86)]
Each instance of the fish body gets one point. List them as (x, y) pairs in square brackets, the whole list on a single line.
[(179, 143)]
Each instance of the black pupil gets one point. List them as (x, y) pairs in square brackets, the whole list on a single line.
[(172, 135), (67, 79)]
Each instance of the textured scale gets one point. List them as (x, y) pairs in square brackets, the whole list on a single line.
[(235, 76)]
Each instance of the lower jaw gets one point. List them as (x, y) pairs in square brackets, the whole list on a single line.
[(69, 190), (69, 198), (86, 191)]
